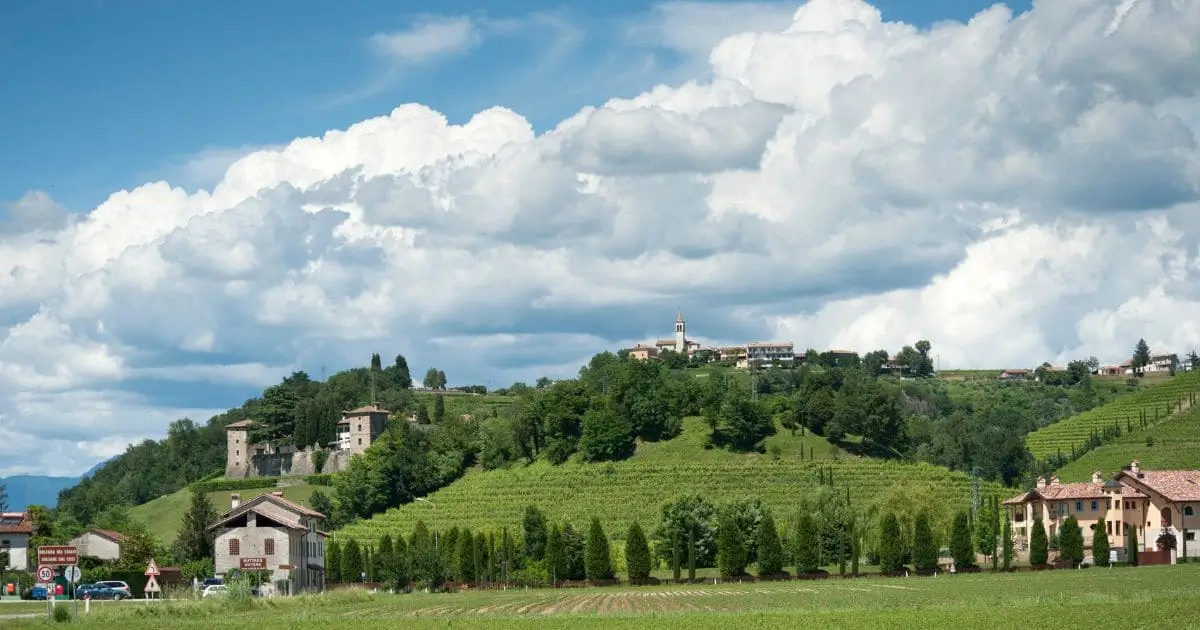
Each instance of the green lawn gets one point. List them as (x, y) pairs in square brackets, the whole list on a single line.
[(635, 489), (1170, 445), (163, 515), (1147, 597)]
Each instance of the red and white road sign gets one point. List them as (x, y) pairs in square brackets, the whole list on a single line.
[(152, 586), (151, 569), (45, 574)]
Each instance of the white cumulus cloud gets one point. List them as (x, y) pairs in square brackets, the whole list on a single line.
[(1016, 189)]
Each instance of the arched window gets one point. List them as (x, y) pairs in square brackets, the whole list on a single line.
[(1187, 510), (1166, 517)]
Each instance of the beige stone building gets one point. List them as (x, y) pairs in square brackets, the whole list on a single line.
[(360, 427), (99, 543), (271, 533), (16, 528), (1152, 503)]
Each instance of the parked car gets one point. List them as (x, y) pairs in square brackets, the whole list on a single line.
[(212, 581), (118, 585), (99, 591), (36, 592), (214, 590)]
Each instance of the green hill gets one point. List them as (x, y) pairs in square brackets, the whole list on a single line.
[(620, 492), (1153, 404), (1172, 444), (462, 403), (163, 515)]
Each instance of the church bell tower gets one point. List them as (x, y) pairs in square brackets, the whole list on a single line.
[(680, 339)]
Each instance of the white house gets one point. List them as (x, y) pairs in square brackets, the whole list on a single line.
[(99, 543), (16, 528), (270, 533)]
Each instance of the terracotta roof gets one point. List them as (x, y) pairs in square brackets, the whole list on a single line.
[(16, 523), (1174, 485), (841, 352), (240, 424), (253, 504), (365, 410), (770, 344), (109, 534), (1072, 492)]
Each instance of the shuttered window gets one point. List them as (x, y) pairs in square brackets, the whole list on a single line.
[(235, 547)]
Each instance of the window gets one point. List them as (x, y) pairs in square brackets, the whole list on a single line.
[(235, 547), (360, 427), (1118, 528), (1190, 536), (1079, 506), (1187, 510), (1095, 505), (360, 441), (269, 546), (1108, 504), (1109, 524)]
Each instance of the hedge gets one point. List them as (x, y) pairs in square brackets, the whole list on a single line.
[(226, 485)]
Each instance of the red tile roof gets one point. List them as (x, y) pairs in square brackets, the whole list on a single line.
[(1071, 492), (109, 534), (16, 523), (240, 424), (1174, 485), (367, 409)]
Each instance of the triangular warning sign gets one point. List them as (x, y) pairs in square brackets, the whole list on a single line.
[(151, 568), (152, 585)]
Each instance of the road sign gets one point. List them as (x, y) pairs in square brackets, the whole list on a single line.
[(151, 568), (58, 555), (253, 564), (45, 575), (72, 573), (152, 586)]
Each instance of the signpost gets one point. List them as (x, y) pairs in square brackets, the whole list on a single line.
[(58, 555), (73, 575), (253, 564), (45, 574), (151, 584)]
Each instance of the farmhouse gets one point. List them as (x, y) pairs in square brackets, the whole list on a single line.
[(16, 528), (1153, 504), (102, 544), (1015, 375), (270, 533)]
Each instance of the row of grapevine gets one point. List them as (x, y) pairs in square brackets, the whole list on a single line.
[(1072, 436)]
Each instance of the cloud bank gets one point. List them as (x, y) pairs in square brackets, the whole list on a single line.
[(1015, 189)]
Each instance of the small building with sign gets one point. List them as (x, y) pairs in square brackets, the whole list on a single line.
[(16, 528), (271, 533), (102, 544)]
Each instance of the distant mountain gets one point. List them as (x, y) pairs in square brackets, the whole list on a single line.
[(26, 490)]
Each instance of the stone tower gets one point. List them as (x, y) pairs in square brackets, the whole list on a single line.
[(359, 428), (680, 329), (237, 449)]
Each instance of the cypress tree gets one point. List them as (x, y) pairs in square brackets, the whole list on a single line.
[(675, 551), (925, 551), (637, 553), (1039, 544), (806, 544), (1131, 546), (731, 549), (555, 555), (534, 526), (479, 556), (465, 556), (369, 564), (1099, 545), (855, 549), (1070, 542), (770, 550), (333, 562), (448, 548), (891, 550), (691, 553), (195, 541), (961, 548), (597, 561), (996, 516), (382, 558), (352, 562), (508, 554), (491, 557), (399, 567), (1007, 545)]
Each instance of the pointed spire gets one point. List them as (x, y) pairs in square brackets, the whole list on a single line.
[(679, 318)]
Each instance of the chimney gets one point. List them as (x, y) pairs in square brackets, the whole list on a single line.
[(1096, 477), (235, 500), (1136, 466), (1054, 480), (1041, 482)]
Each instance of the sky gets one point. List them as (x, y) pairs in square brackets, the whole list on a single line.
[(197, 198)]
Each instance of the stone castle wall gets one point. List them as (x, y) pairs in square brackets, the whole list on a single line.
[(299, 463)]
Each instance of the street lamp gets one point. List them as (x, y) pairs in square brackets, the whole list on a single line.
[(435, 531)]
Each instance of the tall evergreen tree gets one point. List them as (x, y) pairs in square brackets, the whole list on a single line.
[(195, 541), (492, 564), (555, 555), (384, 558), (1070, 541), (439, 409), (376, 362), (731, 548), (597, 561), (637, 553), (1100, 545), (465, 565), (1131, 546), (333, 562), (691, 552), (676, 551), (352, 562), (1007, 545), (770, 550), (961, 548), (891, 549), (807, 545), (1039, 544), (508, 554), (1141, 357), (449, 550), (925, 548), (534, 526), (855, 548), (401, 377), (479, 556)]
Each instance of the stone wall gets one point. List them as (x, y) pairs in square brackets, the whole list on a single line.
[(288, 464)]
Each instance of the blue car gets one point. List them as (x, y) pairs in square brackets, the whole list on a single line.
[(99, 591), (37, 592)]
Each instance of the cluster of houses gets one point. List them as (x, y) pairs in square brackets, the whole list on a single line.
[(1159, 363)]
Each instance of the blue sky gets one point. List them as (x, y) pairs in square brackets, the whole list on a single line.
[(101, 95)]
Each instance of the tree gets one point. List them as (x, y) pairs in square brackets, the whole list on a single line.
[(401, 377), (352, 562), (556, 555), (688, 515), (739, 422), (1100, 546), (925, 549), (1131, 546), (508, 554), (770, 550), (1006, 542), (1039, 544), (731, 548), (606, 435), (492, 560), (320, 502), (195, 540), (985, 530), (422, 413), (376, 362), (1141, 357), (961, 548), (806, 545), (597, 560), (434, 379), (534, 528), (637, 553), (439, 409), (1070, 541), (575, 550), (333, 562), (465, 557), (383, 558), (891, 549), (479, 557)]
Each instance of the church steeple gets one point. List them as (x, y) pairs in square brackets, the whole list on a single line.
[(680, 333)]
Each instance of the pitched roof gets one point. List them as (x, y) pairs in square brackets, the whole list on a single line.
[(1174, 485), (109, 534), (240, 424), (254, 505), (364, 410), (1073, 492), (16, 523)]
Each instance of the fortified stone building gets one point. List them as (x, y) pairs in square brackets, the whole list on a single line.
[(357, 430)]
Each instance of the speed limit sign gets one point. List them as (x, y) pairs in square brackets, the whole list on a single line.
[(45, 574)]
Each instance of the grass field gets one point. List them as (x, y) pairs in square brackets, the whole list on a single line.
[(1166, 596), (635, 489), (1173, 444), (1156, 403), (163, 515)]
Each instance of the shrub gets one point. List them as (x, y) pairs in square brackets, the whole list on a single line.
[(62, 614), (319, 480)]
